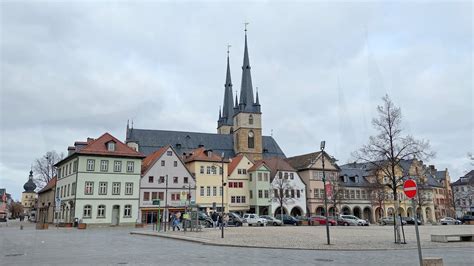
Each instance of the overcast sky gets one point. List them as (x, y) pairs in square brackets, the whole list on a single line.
[(72, 71)]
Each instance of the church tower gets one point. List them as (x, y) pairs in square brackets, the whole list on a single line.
[(247, 120), (225, 122)]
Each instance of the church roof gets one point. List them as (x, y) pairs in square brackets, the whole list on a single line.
[(30, 186), (151, 140)]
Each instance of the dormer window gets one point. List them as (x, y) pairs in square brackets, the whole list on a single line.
[(111, 146), (345, 179)]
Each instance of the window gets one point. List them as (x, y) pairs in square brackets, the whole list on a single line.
[(260, 193), (161, 195), (127, 211), (90, 165), (102, 188), (214, 191), (202, 170), (237, 199), (291, 176), (68, 189), (117, 166), (101, 211), (265, 176), (146, 196), (275, 192), (239, 171), (150, 179), (221, 191), (175, 163), (161, 180), (280, 175), (208, 170), (250, 177), (104, 165), (321, 193), (346, 194), (231, 184), (111, 146), (169, 153), (130, 166), (259, 176), (154, 195), (250, 194), (116, 188), (241, 184), (250, 119), (364, 194), (62, 192), (128, 188), (220, 170), (57, 192), (213, 170), (208, 191), (185, 180), (286, 176), (89, 188), (175, 180), (162, 163), (357, 194), (244, 171), (73, 189), (352, 194), (266, 193), (59, 172), (232, 199), (202, 191), (292, 193), (87, 211), (298, 193), (243, 199), (67, 170), (175, 196), (251, 140)]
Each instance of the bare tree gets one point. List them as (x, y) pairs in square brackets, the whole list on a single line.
[(386, 149), (44, 167), (16, 209), (377, 194), (336, 199), (282, 191)]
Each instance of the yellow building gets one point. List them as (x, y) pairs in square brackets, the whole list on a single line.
[(210, 172), (238, 188), (28, 197)]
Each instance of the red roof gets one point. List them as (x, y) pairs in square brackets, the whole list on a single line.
[(51, 184), (235, 161), (201, 154), (151, 159), (257, 165), (99, 147)]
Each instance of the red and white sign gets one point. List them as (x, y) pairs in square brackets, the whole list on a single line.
[(409, 187), (329, 191)]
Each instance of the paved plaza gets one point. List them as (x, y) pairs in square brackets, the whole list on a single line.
[(314, 237), (116, 246)]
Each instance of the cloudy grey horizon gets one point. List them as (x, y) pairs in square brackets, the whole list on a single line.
[(75, 70)]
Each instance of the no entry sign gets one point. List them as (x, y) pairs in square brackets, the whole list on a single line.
[(409, 187)]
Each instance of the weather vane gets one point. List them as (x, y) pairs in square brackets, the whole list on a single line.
[(246, 23), (228, 46)]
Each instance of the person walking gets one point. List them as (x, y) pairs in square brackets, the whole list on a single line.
[(226, 220), (214, 217), (220, 221)]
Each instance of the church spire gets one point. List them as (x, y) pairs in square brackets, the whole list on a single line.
[(226, 118), (246, 89)]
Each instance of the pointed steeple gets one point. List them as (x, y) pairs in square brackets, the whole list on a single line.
[(220, 116), (246, 90), (257, 102), (228, 109)]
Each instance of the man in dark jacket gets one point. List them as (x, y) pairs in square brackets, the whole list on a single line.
[(214, 217)]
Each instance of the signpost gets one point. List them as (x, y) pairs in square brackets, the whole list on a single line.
[(410, 189)]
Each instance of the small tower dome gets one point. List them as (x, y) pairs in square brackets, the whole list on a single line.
[(30, 186)]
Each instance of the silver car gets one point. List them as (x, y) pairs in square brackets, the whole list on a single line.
[(272, 220), (389, 220), (449, 220)]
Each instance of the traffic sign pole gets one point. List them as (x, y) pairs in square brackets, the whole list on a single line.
[(420, 256), (411, 189)]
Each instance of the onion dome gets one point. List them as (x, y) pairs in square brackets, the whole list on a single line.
[(30, 186)]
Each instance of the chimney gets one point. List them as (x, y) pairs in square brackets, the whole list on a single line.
[(89, 140), (71, 150)]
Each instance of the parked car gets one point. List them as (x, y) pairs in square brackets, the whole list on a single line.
[(356, 219), (411, 220), (203, 218), (254, 219), (287, 219), (449, 220), (467, 218), (235, 219), (322, 220), (389, 220), (272, 220)]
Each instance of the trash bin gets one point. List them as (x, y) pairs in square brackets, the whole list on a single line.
[(76, 222)]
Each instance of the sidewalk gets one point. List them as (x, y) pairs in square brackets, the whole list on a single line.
[(314, 237)]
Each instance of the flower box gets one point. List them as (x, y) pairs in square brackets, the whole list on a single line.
[(81, 226)]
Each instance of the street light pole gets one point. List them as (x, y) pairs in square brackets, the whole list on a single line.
[(222, 196), (323, 144), (165, 213)]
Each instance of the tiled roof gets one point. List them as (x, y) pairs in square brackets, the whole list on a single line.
[(440, 175), (51, 184), (466, 179), (257, 165), (276, 164), (151, 159), (303, 161), (203, 155), (432, 182), (183, 142), (99, 147), (351, 173), (233, 164)]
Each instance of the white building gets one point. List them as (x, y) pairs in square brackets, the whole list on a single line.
[(164, 173), (285, 178), (98, 182)]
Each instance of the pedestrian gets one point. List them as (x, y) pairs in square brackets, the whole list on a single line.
[(221, 221), (214, 217), (176, 223), (226, 220)]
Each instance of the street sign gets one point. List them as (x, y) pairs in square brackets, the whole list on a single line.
[(409, 187), (156, 202)]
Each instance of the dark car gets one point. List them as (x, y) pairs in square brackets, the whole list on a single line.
[(411, 220), (287, 219), (235, 219), (467, 218), (203, 218)]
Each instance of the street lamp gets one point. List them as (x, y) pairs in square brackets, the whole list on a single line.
[(222, 195), (323, 144)]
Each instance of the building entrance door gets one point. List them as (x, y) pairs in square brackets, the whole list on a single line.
[(116, 215)]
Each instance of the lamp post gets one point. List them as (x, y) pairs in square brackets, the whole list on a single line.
[(165, 212), (189, 201), (222, 196), (323, 144)]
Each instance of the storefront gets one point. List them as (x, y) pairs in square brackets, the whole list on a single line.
[(150, 215)]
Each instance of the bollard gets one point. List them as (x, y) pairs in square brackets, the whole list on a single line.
[(433, 261), (21, 227)]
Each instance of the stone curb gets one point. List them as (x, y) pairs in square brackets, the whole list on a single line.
[(210, 243)]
